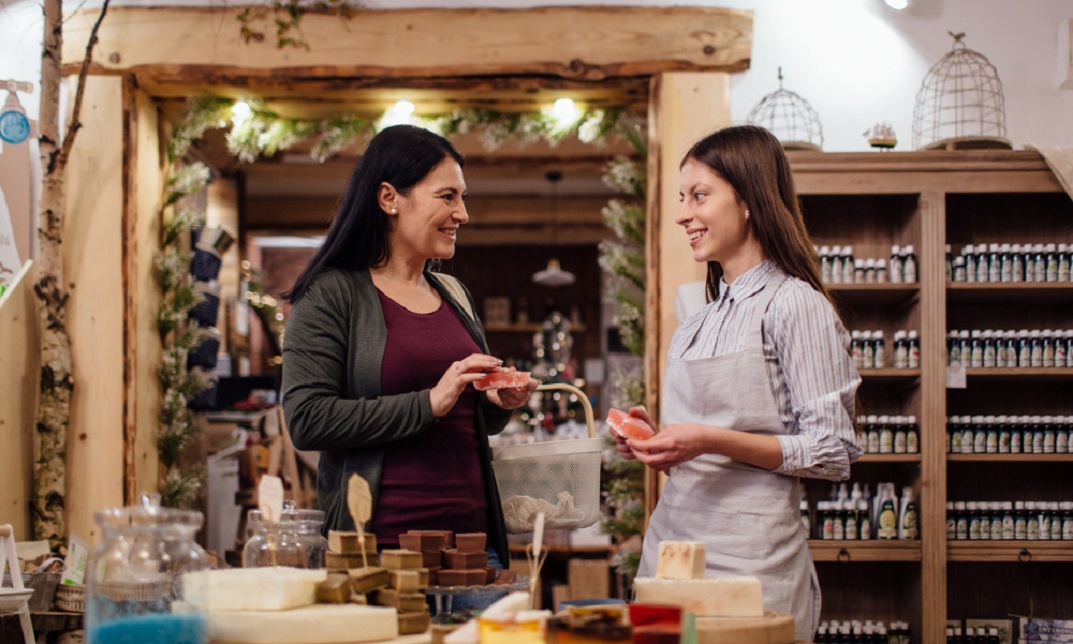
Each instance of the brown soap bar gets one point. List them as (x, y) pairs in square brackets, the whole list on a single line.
[(334, 590), (422, 577), (446, 534), (506, 576), (462, 577), (433, 575), (424, 542), (368, 579), (432, 559), (350, 542), (490, 574), (412, 623), (401, 559), (405, 581), (404, 602), (342, 562), (470, 541), (456, 560), (359, 598)]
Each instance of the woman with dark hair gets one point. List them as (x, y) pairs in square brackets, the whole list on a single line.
[(759, 387), (381, 352)]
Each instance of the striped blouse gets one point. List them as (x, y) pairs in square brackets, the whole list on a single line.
[(808, 363)]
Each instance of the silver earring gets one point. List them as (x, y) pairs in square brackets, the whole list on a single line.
[(747, 213), (394, 211)]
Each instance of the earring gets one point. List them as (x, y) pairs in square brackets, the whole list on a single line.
[(747, 213), (394, 211)]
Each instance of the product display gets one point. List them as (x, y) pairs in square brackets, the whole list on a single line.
[(1023, 348), (854, 632), (316, 624), (1005, 262), (1007, 434), (890, 434)]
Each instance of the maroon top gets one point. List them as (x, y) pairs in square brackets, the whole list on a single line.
[(432, 481)]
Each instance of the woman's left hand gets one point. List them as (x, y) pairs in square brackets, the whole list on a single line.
[(512, 398), (674, 445)]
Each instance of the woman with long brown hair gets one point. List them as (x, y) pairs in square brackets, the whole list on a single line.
[(759, 387)]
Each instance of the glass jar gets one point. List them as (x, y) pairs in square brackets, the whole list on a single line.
[(295, 541), (134, 578)]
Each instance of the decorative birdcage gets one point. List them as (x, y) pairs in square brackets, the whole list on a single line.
[(790, 118), (960, 103)]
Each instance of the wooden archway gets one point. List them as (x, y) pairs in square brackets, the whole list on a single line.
[(684, 54)]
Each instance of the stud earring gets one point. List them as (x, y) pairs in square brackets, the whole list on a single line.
[(747, 213), (394, 211)]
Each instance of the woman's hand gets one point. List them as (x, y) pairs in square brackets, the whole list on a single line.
[(457, 377), (512, 397), (622, 443), (673, 446)]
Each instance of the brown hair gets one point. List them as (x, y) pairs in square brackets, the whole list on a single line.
[(751, 160)]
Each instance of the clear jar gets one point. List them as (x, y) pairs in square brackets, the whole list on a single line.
[(295, 541), (134, 578)]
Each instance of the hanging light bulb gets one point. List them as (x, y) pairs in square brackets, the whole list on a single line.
[(14, 126), (401, 113), (554, 275), (240, 111)]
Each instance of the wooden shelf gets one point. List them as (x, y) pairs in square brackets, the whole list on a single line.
[(1035, 292), (889, 458), (1023, 551), (1009, 458), (527, 327), (858, 551), (889, 374), (1020, 373), (874, 294)]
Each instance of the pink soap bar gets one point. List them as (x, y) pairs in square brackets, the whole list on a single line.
[(503, 380), (627, 426)]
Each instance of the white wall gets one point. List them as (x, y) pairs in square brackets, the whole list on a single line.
[(856, 61)]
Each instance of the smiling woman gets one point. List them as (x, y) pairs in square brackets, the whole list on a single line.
[(379, 356)]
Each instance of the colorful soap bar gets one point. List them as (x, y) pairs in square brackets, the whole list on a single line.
[(503, 380), (470, 541), (456, 560), (627, 426), (401, 560)]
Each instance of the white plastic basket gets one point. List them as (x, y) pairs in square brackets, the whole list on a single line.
[(559, 478)]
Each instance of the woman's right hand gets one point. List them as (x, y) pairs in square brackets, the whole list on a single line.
[(457, 377), (621, 443)]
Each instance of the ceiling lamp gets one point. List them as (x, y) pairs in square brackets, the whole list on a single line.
[(554, 275)]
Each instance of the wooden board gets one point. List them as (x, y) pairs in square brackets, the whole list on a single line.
[(19, 360), (772, 628)]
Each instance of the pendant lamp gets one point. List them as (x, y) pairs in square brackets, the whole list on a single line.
[(554, 275)]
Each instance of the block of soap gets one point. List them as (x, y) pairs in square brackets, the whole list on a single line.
[(350, 542), (359, 598), (432, 558), (406, 581), (470, 541), (412, 623), (456, 560), (317, 624), (462, 577), (433, 575), (252, 589), (710, 597), (405, 602), (424, 542), (340, 561), (368, 579), (401, 559), (422, 577), (447, 535), (680, 560), (335, 589)]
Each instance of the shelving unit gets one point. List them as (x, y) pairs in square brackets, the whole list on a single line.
[(930, 199)]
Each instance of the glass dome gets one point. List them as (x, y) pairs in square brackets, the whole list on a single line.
[(790, 118), (960, 103)]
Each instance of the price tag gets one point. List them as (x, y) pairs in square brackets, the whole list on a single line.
[(270, 498), (955, 376)]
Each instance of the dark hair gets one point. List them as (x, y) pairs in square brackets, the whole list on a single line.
[(401, 155), (751, 160)]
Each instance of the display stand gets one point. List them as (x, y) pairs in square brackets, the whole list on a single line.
[(15, 599)]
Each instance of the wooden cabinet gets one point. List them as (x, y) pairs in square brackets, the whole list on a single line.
[(931, 199)]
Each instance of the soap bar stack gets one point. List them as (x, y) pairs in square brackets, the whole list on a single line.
[(680, 581), (407, 580), (467, 563), (431, 544), (344, 551)]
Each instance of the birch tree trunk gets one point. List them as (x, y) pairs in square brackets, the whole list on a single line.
[(57, 382)]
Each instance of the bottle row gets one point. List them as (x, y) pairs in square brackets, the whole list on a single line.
[(839, 266), (869, 349), (890, 434), (1009, 434), (954, 635), (1022, 348), (1009, 520), (854, 632), (858, 516), (1010, 263)]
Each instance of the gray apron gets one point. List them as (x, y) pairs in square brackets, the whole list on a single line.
[(747, 517)]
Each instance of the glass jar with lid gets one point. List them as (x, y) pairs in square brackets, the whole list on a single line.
[(135, 588), (294, 541)]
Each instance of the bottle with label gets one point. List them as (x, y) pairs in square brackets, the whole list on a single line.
[(1003, 434), (994, 263), (1018, 259), (966, 347), (1051, 255), (901, 350), (959, 269), (1024, 349), (989, 357), (1031, 521), (835, 259), (983, 259), (1020, 521), (995, 510), (900, 438), (953, 348), (948, 262), (879, 349), (909, 264), (1009, 521), (864, 523), (979, 435), (1067, 520), (991, 430), (825, 264), (897, 274), (908, 525), (888, 518), (969, 253), (912, 435), (1005, 263), (976, 344), (868, 351), (961, 518), (1039, 263), (1056, 521), (1036, 347), (882, 275), (839, 525), (1063, 263), (847, 264), (872, 432), (913, 348), (870, 276), (856, 351), (974, 520), (858, 271), (951, 522), (886, 436), (1047, 339)]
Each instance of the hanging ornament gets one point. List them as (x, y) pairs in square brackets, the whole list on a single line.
[(14, 126)]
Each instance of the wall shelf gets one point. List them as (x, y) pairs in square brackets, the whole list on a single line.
[(889, 375), (889, 458), (861, 551), (1020, 373), (874, 294), (1009, 458), (1034, 292), (1022, 551)]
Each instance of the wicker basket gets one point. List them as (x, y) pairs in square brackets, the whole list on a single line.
[(71, 598), (560, 478)]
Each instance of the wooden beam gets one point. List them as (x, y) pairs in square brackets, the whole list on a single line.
[(586, 43)]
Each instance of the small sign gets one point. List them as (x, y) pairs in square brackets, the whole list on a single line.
[(955, 376), (270, 498)]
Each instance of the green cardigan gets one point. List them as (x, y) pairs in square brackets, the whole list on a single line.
[(332, 354)]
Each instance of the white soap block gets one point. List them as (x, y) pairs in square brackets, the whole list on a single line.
[(711, 597), (317, 624), (254, 589), (680, 560)]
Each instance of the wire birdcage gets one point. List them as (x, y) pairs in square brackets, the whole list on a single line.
[(790, 118), (960, 103)]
